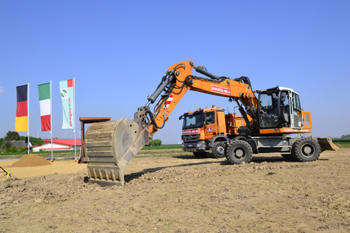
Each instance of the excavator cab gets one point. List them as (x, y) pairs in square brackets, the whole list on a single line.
[(279, 107)]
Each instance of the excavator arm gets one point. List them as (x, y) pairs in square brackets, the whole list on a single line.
[(179, 79), (109, 146)]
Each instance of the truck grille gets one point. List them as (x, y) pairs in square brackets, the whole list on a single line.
[(190, 138)]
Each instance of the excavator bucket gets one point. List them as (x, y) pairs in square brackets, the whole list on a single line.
[(109, 146), (327, 144)]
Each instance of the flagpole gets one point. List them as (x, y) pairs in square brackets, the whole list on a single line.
[(28, 116), (51, 119), (75, 134)]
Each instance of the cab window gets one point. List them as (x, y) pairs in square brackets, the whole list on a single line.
[(269, 109), (210, 118), (296, 104), (193, 121)]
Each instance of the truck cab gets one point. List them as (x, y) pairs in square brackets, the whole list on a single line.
[(203, 127)]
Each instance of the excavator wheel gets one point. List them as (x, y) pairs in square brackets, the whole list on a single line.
[(306, 150), (239, 151), (234, 139), (219, 149)]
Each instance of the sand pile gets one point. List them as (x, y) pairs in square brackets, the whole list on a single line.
[(31, 160)]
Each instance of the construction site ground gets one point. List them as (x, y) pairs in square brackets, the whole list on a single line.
[(181, 193)]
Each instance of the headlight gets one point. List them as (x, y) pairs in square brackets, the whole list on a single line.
[(201, 145)]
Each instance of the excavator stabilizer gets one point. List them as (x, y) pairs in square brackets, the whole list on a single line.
[(109, 146), (327, 144)]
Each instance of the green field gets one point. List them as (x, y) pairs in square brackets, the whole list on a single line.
[(342, 142), (163, 150)]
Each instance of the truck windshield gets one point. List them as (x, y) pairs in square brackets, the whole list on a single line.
[(193, 121)]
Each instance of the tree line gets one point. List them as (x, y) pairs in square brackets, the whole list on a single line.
[(7, 146)]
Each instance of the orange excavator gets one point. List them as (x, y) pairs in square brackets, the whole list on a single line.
[(277, 112)]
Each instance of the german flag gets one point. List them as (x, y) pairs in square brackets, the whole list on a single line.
[(21, 123)]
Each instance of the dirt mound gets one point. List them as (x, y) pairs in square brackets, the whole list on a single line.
[(31, 160)]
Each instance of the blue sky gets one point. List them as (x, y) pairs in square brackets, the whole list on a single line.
[(118, 52)]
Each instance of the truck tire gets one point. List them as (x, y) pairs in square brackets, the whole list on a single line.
[(306, 150), (219, 149), (200, 154), (239, 151)]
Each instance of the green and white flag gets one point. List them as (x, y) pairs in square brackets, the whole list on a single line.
[(67, 95), (45, 106)]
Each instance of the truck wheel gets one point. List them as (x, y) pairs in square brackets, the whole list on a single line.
[(239, 151), (200, 154), (219, 149), (306, 150)]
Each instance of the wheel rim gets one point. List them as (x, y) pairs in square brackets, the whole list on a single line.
[(220, 150), (307, 150), (239, 153)]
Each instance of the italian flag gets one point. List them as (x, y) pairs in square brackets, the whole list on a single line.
[(45, 106)]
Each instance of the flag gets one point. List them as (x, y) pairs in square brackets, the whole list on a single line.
[(45, 106), (21, 123), (67, 94)]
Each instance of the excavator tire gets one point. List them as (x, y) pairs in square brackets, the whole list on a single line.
[(109, 146), (239, 151), (219, 149), (306, 150), (234, 139)]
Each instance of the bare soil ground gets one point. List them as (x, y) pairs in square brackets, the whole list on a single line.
[(182, 194)]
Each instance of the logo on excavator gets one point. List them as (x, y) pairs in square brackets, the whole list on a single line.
[(220, 90), (168, 102)]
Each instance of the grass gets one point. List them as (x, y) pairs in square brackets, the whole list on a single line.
[(169, 146), (157, 151), (342, 142)]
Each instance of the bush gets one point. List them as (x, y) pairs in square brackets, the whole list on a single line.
[(13, 149), (7, 145), (156, 142)]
